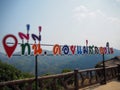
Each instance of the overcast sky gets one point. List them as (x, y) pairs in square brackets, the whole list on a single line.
[(69, 22)]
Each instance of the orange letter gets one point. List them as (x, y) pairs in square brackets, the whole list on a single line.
[(101, 50), (37, 49), (56, 49)]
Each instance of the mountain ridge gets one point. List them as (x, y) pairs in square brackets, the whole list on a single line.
[(55, 64)]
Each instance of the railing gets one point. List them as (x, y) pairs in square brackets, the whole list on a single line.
[(93, 76), (66, 81)]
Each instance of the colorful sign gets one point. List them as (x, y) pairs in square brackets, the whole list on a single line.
[(77, 50), (57, 49)]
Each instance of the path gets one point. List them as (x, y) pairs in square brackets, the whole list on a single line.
[(113, 85)]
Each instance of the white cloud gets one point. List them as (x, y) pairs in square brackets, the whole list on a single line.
[(82, 13), (96, 25), (114, 20), (117, 0)]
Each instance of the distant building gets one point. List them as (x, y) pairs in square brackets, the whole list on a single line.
[(110, 62)]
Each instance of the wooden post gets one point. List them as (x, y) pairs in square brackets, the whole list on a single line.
[(118, 72), (104, 72), (104, 81), (36, 73), (76, 84)]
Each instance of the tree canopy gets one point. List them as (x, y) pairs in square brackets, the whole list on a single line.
[(9, 72)]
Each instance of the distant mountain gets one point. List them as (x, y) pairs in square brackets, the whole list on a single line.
[(55, 64)]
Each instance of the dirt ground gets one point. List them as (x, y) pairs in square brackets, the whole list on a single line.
[(113, 85)]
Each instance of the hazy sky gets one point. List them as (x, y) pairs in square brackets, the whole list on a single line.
[(69, 22)]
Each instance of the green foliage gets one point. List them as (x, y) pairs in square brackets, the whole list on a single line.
[(66, 70), (98, 65), (70, 82), (46, 74), (9, 72)]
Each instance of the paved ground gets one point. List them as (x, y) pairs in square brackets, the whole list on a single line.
[(113, 85)]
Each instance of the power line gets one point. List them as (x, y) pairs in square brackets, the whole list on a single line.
[(40, 44)]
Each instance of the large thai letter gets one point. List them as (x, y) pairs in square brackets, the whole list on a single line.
[(85, 49), (72, 49), (56, 49), (111, 50), (65, 49), (108, 48), (96, 50), (91, 49), (26, 36), (22, 36), (35, 37), (79, 51), (37, 49), (23, 46), (105, 50), (101, 49)]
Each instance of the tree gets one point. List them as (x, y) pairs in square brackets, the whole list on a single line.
[(9, 72)]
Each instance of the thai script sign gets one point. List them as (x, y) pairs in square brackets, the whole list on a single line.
[(57, 49)]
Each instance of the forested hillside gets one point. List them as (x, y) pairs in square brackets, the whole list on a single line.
[(9, 72)]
